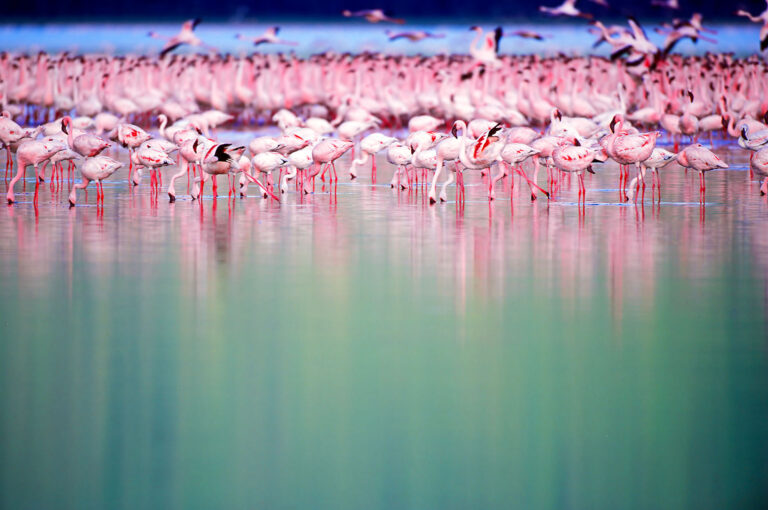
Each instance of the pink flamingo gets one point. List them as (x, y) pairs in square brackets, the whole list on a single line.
[(185, 36), (759, 166), (702, 160), (369, 147), (32, 152), (401, 156), (131, 136), (326, 152), (152, 159), (514, 154), (265, 163), (575, 159), (94, 169), (659, 159)]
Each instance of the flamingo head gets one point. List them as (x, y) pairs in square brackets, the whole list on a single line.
[(65, 123), (614, 121)]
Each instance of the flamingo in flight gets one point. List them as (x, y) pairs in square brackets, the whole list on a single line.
[(760, 18), (567, 8), (527, 34), (413, 36), (372, 16), (268, 37), (185, 36)]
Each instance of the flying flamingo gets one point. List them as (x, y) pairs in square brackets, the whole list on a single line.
[(268, 37), (94, 169), (413, 36), (372, 16), (185, 36), (760, 18), (567, 8)]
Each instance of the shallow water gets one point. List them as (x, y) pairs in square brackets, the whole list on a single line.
[(347, 36), (366, 350)]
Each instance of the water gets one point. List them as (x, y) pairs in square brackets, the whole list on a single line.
[(345, 36), (366, 350)]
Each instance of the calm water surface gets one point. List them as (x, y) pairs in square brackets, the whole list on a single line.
[(367, 351)]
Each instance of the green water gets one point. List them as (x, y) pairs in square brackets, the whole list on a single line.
[(372, 352)]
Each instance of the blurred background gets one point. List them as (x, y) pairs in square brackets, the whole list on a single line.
[(446, 10)]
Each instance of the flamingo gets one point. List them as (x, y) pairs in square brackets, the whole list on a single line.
[(369, 147), (760, 18), (326, 152), (131, 136), (85, 144), (413, 36), (567, 9), (514, 154), (265, 163), (268, 37), (448, 150), (372, 16), (151, 158), (487, 51), (185, 36), (484, 152), (701, 159), (759, 165), (32, 152), (658, 159), (575, 159), (95, 169), (400, 155)]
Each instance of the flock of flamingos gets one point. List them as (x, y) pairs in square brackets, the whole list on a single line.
[(433, 118)]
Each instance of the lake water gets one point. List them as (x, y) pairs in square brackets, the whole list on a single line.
[(363, 350), (346, 36)]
